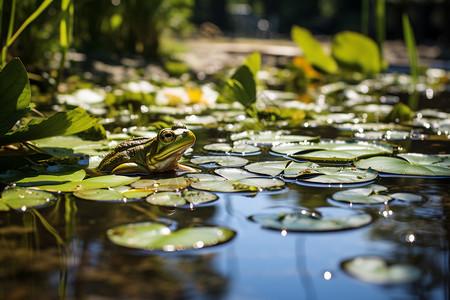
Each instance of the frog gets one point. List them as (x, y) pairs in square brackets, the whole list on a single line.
[(143, 155)]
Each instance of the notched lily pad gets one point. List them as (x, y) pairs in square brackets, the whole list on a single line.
[(181, 198), (399, 166), (236, 148), (152, 236), (20, 198), (334, 219), (365, 195), (221, 160), (374, 269), (337, 176)]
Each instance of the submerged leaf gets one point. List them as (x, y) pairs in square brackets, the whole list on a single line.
[(152, 236)]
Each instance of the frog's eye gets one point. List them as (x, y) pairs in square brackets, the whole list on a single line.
[(166, 136)]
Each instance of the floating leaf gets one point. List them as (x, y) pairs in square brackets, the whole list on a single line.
[(374, 269), (407, 197), (20, 198), (152, 236), (100, 195), (340, 219), (394, 165), (162, 185), (70, 145), (234, 180), (237, 148), (183, 198), (441, 160), (270, 137), (337, 176), (90, 183), (48, 179), (222, 160), (332, 151), (366, 195), (289, 169), (137, 193)]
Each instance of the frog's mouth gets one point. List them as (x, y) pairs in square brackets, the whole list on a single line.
[(175, 154)]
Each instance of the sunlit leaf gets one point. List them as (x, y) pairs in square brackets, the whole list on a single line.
[(336, 176), (312, 50), (69, 145), (338, 220), (162, 185), (374, 269), (237, 148), (182, 198), (20, 198), (90, 183), (365, 195), (155, 236), (49, 179), (332, 151), (394, 165), (221, 160), (270, 137), (288, 169), (99, 195), (356, 52)]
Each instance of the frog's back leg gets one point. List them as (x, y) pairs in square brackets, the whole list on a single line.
[(130, 167)]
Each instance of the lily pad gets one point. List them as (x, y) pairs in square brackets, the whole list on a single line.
[(222, 160), (441, 160), (366, 195), (237, 148), (137, 193), (90, 183), (407, 197), (374, 269), (270, 137), (288, 168), (335, 219), (20, 198), (151, 236), (234, 180), (337, 176), (162, 185), (100, 195), (332, 151), (183, 198), (48, 179), (398, 166)]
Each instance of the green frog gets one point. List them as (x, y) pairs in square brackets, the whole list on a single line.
[(144, 155)]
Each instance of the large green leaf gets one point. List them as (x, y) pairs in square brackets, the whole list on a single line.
[(356, 52), (20, 198), (312, 50), (156, 236), (62, 123), (106, 181), (15, 94)]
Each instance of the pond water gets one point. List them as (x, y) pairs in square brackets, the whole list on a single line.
[(258, 263)]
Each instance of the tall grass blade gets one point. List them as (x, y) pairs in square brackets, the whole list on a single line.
[(410, 42), (10, 30), (380, 21)]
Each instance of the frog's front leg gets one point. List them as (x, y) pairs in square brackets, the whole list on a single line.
[(131, 167)]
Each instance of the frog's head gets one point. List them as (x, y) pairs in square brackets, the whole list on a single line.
[(168, 147)]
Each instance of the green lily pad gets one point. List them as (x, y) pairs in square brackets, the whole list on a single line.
[(270, 137), (137, 193), (237, 148), (90, 183), (162, 185), (332, 151), (153, 236), (20, 198), (69, 145), (407, 197), (365, 195), (398, 166), (183, 198), (289, 169), (374, 269), (234, 180), (339, 219), (48, 179), (100, 195), (337, 176), (441, 160), (222, 160)]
